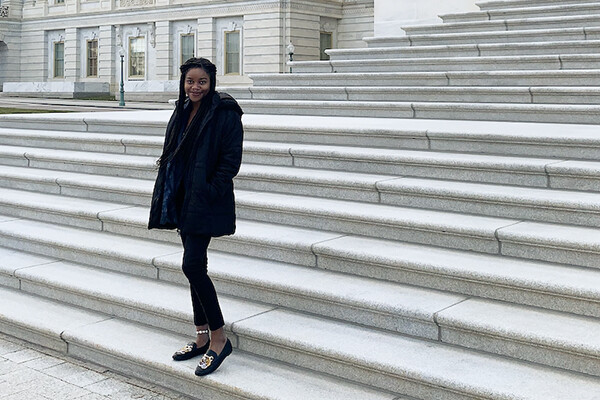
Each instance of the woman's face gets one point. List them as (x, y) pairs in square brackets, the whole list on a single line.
[(197, 84)]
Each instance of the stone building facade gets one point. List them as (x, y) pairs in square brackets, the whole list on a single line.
[(74, 47)]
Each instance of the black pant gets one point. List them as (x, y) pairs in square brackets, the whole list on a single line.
[(195, 267)]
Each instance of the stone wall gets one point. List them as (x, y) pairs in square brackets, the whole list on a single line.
[(391, 15), (266, 27), (356, 23), (10, 51)]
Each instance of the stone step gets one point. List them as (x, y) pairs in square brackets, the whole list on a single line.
[(523, 333), (115, 344), (467, 50), (118, 347), (558, 206), (165, 304), (448, 372), (564, 141), (482, 37), (552, 286), (96, 187), (268, 138), (553, 205), (543, 23), (571, 344), (308, 218), (444, 64), (501, 4), (556, 173), (130, 166), (120, 143), (450, 78), (132, 122), (529, 11), (434, 94), (544, 113)]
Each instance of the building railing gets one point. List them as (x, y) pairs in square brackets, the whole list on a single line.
[(3, 11)]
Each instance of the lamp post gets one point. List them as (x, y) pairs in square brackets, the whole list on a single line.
[(290, 49), (122, 91)]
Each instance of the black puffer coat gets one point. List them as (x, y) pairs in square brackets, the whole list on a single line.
[(208, 206)]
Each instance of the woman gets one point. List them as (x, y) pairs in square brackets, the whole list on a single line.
[(194, 193)]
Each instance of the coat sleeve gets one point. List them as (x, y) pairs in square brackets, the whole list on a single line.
[(229, 156)]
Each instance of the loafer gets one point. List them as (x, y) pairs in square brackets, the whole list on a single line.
[(211, 361), (190, 350)]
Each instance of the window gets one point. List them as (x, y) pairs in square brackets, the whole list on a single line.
[(59, 59), (137, 57), (59, 2), (92, 57), (232, 52), (188, 47), (326, 43)]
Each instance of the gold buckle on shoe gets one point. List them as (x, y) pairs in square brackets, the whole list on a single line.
[(185, 349), (205, 361)]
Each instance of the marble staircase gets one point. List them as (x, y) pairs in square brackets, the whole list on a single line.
[(512, 61), (379, 255)]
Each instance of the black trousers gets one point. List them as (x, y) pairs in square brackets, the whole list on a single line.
[(204, 296)]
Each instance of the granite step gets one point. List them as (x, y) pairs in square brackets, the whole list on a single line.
[(261, 131), (130, 166), (549, 62), (563, 141), (557, 173), (524, 78), (545, 205), (530, 11), (552, 286), (467, 50), (261, 233), (135, 123), (389, 306), (468, 322), (513, 36), (434, 94), (118, 143), (119, 348), (411, 366), (332, 217), (546, 113), (406, 363), (548, 285), (522, 171), (501, 4), (536, 23)]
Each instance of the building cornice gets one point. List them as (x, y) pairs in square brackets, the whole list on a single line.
[(182, 11)]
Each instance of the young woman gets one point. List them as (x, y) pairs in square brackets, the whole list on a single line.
[(194, 194)]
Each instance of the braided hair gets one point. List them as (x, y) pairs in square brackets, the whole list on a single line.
[(211, 71)]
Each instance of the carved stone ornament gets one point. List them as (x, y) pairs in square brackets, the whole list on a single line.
[(119, 32), (152, 33), (3, 11), (136, 3), (233, 26)]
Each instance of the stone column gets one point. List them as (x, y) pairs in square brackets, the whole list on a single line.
[(107, 56), (264, 48), (206, 44), (164, 50), (391, 15), (72, 59)]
